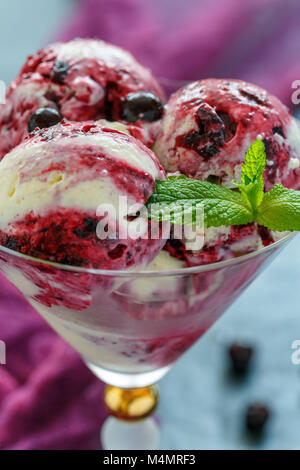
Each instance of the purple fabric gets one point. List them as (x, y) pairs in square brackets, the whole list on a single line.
[(255, 40), (48, 398)]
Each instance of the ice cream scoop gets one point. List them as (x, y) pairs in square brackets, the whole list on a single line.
[(81, 80), (70, 194), (209, 125), (207, 128)]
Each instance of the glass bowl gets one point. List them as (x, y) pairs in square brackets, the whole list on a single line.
[(131, 327)]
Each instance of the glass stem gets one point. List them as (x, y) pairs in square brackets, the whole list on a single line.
[(131, 426)]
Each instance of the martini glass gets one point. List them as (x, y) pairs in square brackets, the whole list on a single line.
[(131, 327)]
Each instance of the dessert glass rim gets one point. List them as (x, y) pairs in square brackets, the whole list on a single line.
[(149, 274)]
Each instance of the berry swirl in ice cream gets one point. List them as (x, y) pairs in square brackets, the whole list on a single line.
[(52, 184), (222, 243), (209, 125), (81, 80)]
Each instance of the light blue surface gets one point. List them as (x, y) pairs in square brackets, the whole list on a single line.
[(201, 408), (24, 27)]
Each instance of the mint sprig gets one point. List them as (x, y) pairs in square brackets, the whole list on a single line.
[(278, 209), (252, 182), (174, 196)]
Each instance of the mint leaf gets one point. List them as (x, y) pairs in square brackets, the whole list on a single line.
[(254, 164), (221, 206), (280, 209), (178, 212), (180, 200), (252, 182)]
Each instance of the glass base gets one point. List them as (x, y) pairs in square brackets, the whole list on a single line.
[(123, 435), (119, 379)]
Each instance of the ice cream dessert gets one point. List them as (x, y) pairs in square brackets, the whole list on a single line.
[(74, 126), (207, 128), (53, 184), (209, 125), (81, 80), (50, 189)]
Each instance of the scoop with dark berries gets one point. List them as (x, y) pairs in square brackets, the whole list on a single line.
[(81, 80)]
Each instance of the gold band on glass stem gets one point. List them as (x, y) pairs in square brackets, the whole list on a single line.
[(131, 404)]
